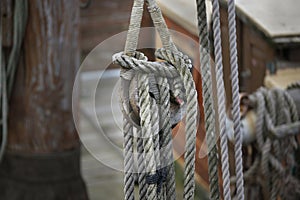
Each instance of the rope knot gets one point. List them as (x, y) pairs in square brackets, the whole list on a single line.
[(158, 178), (176, 58)]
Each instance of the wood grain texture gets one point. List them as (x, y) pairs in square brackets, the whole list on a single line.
[(40, 115)]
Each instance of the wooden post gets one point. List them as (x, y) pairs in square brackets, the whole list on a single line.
[(42, 160)]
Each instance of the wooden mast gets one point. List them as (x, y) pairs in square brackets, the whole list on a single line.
[(42, 159)]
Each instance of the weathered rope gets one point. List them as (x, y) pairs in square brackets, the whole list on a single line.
[(209, 113), (141, 168), (221, 100), (235, 100), (7, 72), (166, 137), (155, 165), (277, 123), (146, 126), (128, 158)]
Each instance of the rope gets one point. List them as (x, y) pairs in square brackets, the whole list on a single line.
[(8, 70), (155, 165), (275, 144), (166, 137), (209, 113), (141, 168), (221, 100), (128, 158), (235, 100)]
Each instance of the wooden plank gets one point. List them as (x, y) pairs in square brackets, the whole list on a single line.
[(275, 18)]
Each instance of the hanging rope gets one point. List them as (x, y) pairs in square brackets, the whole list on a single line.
[(154, 142), (209, 113), (8, 70), (235, 101), (277, 124), (221, 99)]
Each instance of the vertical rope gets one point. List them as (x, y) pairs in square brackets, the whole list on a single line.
[(235, 100), (221, 100), (155, 130), (209, 113), (166, 137), (145, 115), (141, 167), (128, 160), (134, 26)]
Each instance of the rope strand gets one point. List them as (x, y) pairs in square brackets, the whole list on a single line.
[(209, 113), (235, 101), (221, 100)]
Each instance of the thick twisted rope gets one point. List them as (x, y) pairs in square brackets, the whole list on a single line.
[(166, 137), (176, 66), (221, 100), (141, 168), (146, 126), (235, 100), (130, 46), (183, 64), (274, 144), (209, 113), (128, 160)]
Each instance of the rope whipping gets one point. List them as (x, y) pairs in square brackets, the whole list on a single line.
[(209, 113), (276, 125), (7, 72), (221, 100), (235, 101), (154, 142)]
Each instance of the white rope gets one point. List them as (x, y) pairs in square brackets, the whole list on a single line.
[(209, 112), (159, 170), (221, 100), (235, 101), (8, 70)]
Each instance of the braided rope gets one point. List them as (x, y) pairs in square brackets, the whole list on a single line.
[(221, 100), (209, 113), (235, 100)]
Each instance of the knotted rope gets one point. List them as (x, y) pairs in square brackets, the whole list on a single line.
[(8, 69), (154, 143), (277, 124)]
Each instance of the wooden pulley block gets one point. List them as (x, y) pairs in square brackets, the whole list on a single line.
[(130, 99)]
